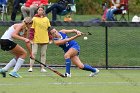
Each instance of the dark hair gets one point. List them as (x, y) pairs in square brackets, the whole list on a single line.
[(41, 7), (50, 28)]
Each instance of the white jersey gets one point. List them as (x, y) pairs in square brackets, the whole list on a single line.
[(8, 33)]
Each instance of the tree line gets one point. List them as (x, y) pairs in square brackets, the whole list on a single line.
[(91, 6)]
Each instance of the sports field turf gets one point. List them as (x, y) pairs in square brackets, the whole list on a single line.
[(107, 81)]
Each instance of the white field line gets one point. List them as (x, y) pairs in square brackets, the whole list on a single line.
[(76, 74), (32, 74), (94, 83), (13, 84), (60, 82)]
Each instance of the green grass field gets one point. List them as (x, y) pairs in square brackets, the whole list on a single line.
[(107, 81)]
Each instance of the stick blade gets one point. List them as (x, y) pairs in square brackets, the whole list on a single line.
[(89, 33), (60, 74), (55, 71)]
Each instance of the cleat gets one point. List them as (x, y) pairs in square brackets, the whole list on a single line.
[(43, 70), (15, 74), (30, 70), (3, 72), (67, 75), (94, 73)]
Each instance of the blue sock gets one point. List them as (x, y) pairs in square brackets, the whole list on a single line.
[(89, 68), (68, 65)]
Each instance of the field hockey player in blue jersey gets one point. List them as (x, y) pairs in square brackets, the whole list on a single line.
[(71, 49)]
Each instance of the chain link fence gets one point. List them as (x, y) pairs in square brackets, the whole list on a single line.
[(110, 45)]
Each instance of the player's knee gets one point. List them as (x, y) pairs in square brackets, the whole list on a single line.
[(66, 56), (80, 66), (23, 55)]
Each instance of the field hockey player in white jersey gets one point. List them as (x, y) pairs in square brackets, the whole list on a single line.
[(17, 31)]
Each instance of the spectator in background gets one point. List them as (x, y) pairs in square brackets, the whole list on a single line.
[(31, 6), (58, 7), (105, 8), (39, 36), (16, 6), (115, 5)]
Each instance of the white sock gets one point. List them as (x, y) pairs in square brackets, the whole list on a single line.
[(10, 64), (20, 61)]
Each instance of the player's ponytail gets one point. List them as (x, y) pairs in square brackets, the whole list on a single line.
[(27, 21)]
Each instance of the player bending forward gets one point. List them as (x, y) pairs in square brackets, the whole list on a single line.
[(16, 31), (71, 49)]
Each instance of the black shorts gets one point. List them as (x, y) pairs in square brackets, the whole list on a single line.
[(7, 45)]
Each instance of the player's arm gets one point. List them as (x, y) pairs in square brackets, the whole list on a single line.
[(26, 40), (61, 42), (17, 36), (28, 44), (71, 31)]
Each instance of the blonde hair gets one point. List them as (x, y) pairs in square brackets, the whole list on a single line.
[(27, 20)]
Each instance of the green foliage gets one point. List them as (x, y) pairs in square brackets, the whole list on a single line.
[(10, 6), (137, 2), (91, 6), (88, 7), (134, 6)]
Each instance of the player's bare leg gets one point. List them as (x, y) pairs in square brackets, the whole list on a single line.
[(82, 66)]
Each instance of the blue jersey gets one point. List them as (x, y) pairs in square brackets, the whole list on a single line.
[(68, 45)]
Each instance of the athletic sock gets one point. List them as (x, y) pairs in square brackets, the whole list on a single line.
[(68, 65), (20, 61), (10, 64), (89, 68)]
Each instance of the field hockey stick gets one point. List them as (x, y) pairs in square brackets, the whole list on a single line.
[(88, 33), (55, 71)]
